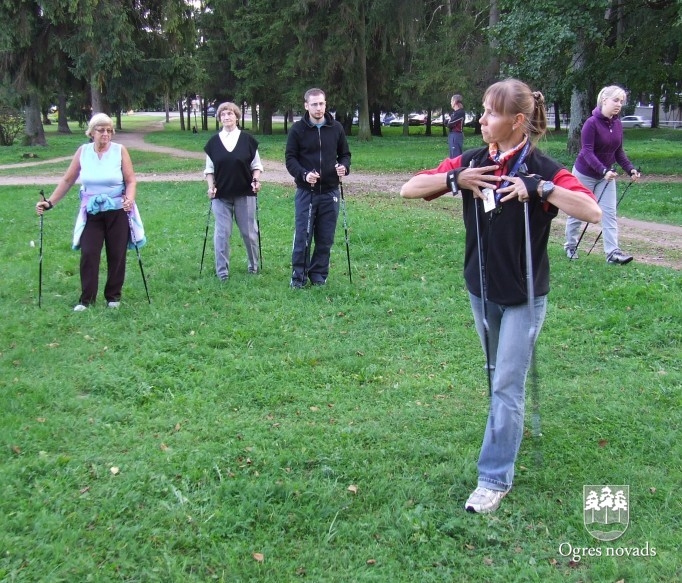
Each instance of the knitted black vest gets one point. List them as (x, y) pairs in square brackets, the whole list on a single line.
[(232, 169)]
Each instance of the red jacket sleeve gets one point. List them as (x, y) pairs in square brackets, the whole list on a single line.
[(445, 166)]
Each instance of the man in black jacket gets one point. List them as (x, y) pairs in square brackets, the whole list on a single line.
[(317, 156)]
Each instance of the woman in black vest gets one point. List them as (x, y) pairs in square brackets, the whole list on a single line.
[(501, 185), (233, 168)]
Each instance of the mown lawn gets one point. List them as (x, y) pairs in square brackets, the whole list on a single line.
[(249, 432)]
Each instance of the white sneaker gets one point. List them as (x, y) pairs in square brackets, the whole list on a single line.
[(80, 308), (113, 304), (484, 500)]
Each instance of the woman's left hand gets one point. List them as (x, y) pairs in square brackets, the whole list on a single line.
[(128, 204), (255, 185), (635, 175), (515, 189)]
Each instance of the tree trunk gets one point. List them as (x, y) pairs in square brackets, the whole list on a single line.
[(364, 129), (96, 99), (494, 65), (266, 119), (34, 131), (62, 120), (182, 115), (579, 112), (579, 106), (557, 117)]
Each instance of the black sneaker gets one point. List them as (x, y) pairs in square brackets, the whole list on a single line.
[(295, 284), (617, 257)]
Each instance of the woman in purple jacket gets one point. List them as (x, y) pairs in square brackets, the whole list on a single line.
[(601, 147)]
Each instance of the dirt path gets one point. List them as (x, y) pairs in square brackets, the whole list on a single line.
[(652, 243)]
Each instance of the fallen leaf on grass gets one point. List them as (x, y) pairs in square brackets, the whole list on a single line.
[(487, 561), (40, 419), (16, 449), (314, 409), (371, 561), (53, 345), (652, 490), (163, 447), (353, 488), (114, 470), (603, 442), (260, 557), (84, 490)]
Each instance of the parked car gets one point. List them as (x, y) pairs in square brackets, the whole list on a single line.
[(398, 120), (635, 121), (440, 120), (388, 118), (417, 119), (210, 111)]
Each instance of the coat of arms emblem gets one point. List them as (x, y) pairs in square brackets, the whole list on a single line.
[(606, 511)]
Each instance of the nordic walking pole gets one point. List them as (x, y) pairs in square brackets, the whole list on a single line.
[(208, 222), (603, 190), (260, 248), (139, 258), (532, 331), (622, 196), (484, 307), (307, 238), (40, 260), (345, 229)]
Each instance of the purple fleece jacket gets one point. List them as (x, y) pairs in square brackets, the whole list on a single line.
[(601, 145)]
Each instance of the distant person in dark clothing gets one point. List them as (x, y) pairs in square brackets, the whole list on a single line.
[(317, 156), (456, 126)]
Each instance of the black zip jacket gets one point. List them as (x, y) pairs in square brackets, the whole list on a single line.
[(503, 235), (310, 148)]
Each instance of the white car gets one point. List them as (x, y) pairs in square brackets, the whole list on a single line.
[(635, 121)]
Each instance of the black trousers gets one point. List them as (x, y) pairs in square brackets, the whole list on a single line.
[(109, 228), (323, 215)]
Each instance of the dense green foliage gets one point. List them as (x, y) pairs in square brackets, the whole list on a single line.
[(401, 55)]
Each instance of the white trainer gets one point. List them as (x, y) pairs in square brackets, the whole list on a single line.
[(484, 500), (80, 308), (113, 304)]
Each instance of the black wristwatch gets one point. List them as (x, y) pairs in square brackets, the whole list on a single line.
[(547, 188)]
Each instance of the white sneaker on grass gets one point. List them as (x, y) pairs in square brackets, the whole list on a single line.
[(484, 500), (80, 308), (113, 304)]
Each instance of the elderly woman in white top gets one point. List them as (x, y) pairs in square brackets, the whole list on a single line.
[(233, 168), (107, 196)]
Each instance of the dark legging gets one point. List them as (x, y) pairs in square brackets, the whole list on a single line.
[(109, 228)]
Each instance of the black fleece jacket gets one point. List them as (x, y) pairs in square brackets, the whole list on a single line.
[(310, 148), (503, 236)]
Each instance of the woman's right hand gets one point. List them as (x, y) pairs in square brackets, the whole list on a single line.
[(42, 206), (610, 175), (477, 179), (211, 191)]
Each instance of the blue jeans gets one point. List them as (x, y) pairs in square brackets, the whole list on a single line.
[(606, 194), (510, 359), (322, 209)]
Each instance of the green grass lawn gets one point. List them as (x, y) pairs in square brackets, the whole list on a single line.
[(334, 431)]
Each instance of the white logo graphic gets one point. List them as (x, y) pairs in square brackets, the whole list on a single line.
[(606, 511)]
